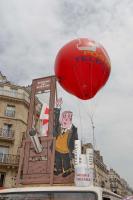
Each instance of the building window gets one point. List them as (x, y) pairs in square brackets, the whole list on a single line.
[(10, 111), (7, 130), (106, 198), (1, 89), (2, 179), (3, 151), (13, 92)]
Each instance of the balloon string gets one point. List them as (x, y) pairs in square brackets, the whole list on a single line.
[(89, 109), (80, 119)]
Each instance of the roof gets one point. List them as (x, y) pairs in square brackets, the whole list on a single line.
[(49, 188), (5, 81), (3, 78), (33, 189)]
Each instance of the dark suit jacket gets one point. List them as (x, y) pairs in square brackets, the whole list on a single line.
[(57, 130)]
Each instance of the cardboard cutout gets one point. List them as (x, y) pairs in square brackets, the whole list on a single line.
[(65, 133)]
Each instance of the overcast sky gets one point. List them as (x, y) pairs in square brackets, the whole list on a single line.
[(32, 32)]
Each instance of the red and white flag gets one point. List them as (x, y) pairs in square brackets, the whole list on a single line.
[(44, 117)]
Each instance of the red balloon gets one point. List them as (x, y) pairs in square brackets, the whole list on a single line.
[(82, 67)]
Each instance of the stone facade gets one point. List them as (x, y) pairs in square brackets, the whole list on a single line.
[(118, 185), (115, 182), (14, 105), (101, 171), (107, 178)]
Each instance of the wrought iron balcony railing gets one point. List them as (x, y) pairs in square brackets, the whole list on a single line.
[(9, 159), (7, 134)]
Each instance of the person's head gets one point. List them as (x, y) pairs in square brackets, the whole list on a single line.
[(66, 119)]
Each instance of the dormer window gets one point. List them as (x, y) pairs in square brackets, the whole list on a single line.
[(3, 79)]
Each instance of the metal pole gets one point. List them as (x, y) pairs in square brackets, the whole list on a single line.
[(93, 135), (93, 141)]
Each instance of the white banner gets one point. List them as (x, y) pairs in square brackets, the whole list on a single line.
[(83, 176), (77, 151), (90, 158)]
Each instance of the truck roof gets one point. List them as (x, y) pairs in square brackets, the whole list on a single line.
[(49, 188)]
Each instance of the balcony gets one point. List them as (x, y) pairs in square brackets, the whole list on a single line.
[(6, 135), (16, 95), (9, 160)]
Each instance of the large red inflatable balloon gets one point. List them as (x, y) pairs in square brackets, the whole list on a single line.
[(82, 67)]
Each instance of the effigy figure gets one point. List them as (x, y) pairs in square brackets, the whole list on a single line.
[(65, 133)]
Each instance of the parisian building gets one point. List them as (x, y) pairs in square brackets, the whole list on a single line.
[(14, 105), (115, 182), (107, 178), (101, 171), (118, 185)]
